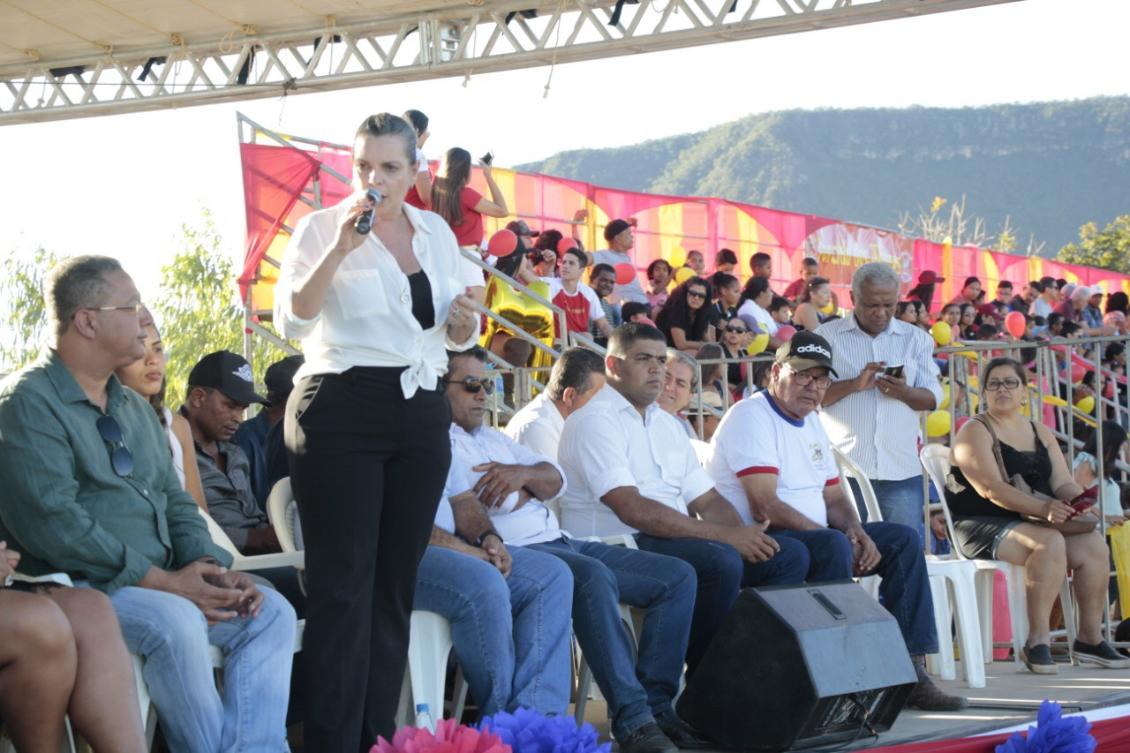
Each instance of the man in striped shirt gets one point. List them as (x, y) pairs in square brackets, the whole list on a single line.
[(887, 375)]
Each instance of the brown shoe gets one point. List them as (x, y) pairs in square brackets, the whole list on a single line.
[(928, 696)]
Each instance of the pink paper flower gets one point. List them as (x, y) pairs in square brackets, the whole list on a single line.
[(449, 737)]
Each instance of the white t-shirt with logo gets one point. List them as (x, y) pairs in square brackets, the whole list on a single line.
[(756, 437)]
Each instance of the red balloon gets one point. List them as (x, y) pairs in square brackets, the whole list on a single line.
[(785, 333), (1015, 323), (625, 273), (565, 244), (502, 243), (965, 419)]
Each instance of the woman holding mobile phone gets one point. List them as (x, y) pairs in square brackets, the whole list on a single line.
[(993, 514), (366, 426)]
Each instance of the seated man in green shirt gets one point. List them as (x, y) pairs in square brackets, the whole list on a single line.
[(90, 490)]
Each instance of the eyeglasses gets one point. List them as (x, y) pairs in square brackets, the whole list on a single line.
[(696, 294), (805, 378), (736, 330), (134, 307), (473, 385), (121, 459), (996, 385)]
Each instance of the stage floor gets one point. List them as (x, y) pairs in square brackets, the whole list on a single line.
[(1016, 690)]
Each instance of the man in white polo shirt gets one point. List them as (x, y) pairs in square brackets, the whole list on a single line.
[(576, 376), (513, 483), (887, 375), (772, 460), (631, 469)]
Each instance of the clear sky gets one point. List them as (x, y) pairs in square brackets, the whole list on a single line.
[(123, 185)]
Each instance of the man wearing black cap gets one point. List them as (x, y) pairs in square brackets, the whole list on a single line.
[(220, 387), (772, 461), (618, 234), (251, 436)]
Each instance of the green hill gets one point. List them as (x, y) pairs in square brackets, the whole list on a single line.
[(1049, 166)]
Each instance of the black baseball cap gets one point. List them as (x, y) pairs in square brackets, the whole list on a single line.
[(229, 373), (279, 378), (806, 350)]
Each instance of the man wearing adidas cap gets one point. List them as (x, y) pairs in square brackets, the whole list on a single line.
[(772, 461)]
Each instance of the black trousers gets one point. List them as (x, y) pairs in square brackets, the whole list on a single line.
[(368, 468)]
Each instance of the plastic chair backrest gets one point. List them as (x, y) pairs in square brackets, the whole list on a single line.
[(849, 469), (935, 459), (219, 538), (278, 503)]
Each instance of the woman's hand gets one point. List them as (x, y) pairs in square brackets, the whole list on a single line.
[(1056, 512), (1115, 520), (461, 318), (348, 239), (488, 170)]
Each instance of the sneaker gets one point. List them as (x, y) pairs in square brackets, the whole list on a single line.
[(680, 733), (647, 739), (1038, 659), (1101, 654), (929, 697)]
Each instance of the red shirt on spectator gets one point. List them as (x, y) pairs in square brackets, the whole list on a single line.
[(469, 232), (580, 307), (795, 288)]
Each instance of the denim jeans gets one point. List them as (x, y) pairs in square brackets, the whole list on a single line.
[(905, 585), (899, 502), (511, 634), (603, 577), (721, 573), (171, 635)]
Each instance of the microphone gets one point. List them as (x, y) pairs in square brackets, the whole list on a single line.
[(364, 222)]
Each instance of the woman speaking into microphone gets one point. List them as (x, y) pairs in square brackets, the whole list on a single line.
[(373, 288)]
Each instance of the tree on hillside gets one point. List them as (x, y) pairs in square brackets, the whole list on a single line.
[(1108, 248), (198, 308), (23, 326), (962, 229)]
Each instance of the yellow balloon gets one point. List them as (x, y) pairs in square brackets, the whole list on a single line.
[(677, 258), (1086, 404), (759, 343), (1059, 402), (946, 396), (942, 334), (682, 274), (938, 423)]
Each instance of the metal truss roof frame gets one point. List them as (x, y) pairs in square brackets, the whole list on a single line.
[(478, 37)]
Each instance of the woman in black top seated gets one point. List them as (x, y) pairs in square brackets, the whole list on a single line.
[(991, 516), (685, 317)]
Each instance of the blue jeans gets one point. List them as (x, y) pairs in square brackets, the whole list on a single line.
[(171, 635), (603, 577), (721, 573), (900, 502), (905, 585), (511, 634)]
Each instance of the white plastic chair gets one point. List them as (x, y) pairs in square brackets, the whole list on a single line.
[(951, 581), (935, 459)]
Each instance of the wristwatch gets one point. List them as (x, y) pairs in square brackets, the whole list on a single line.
[(483, 537)]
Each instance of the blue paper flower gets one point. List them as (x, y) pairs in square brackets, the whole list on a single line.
[(528, 731), (1052, 734)]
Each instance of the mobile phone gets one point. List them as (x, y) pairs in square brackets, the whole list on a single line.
[(1085, 500), (487, 158), (894, 371)]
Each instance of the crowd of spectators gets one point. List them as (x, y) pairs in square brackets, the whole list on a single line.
[(697, 485)]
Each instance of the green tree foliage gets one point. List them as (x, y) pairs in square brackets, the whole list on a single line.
[(1108, 248), (23, 328), (199, 311)]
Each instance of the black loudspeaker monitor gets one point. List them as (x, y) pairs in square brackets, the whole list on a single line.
[(800, 666)]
